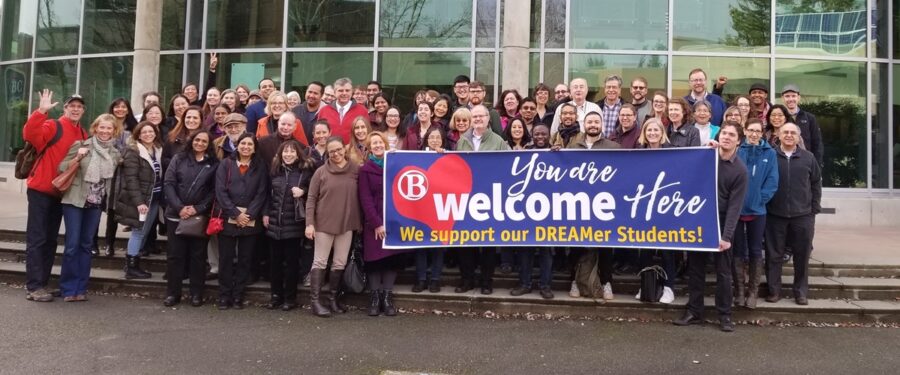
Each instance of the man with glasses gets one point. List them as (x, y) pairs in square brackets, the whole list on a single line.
[(611, 104), (460, 91), (476, 98), (697, 80), (809, 129), (528, 113), (578, 88), (561, 94), (639, 100)]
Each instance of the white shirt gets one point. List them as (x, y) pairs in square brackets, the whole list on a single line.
[(343, 110), (705, 133), (476, 141)]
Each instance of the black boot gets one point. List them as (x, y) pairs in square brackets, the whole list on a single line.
[(275, 302), (375, 303), (315, 287), (387, 302), (133, 268), (334, 282)]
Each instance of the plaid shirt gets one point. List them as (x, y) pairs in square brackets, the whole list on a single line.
[(610, 117)]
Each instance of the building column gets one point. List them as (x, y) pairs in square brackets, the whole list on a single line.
[(147, 32), (516, 33)]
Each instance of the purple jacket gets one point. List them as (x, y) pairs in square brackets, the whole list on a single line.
[(371, 192)]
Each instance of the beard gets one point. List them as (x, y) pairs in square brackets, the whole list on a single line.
[(592, 132)]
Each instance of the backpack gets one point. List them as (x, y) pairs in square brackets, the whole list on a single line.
[(28, 156), (652, 281), (587, 277)]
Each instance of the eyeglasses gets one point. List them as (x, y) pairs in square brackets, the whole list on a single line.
[(626, 115), (638, 87), (529, 108), (336, 151), (561, 91), (392, 116), (698, 80), (479, 116), (477, 91), (753, 131)]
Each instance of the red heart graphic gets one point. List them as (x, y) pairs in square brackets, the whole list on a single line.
[(450, 174)]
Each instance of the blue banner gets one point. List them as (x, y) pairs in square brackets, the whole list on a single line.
[(644, 199)]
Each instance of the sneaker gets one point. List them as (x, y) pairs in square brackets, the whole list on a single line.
[(40, 295), (638, 295), (574, 292), (306, 282), (519, 291), (546, 293), (668, 296), (607, 291)]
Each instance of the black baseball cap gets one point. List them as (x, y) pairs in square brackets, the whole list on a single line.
[(72, 98), (759, 86)]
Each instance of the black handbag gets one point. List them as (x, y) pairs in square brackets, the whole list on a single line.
[(652, 282), (354, 277), (194, 226), (300, 209)]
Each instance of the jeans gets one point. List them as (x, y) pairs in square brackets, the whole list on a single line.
[(41, 231), (139, 235), (81, 225), (437, 264), (748, 238), (184, 249), (545, 261), (233, 277)]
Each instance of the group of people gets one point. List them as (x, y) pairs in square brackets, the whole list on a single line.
[(298, 183)]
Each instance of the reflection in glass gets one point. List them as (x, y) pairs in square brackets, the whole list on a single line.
[(637, 24), (554, 69), (102, 80), (407, 72), (57, 76), (896, 141), (879, 45), (819, 27), (486, 23), (233, 68), (18, 29), (195, 31), (171, 69), (484, 72), (316, 23), (174, 13), (722, 25), (896, 29), (881, 127), (109, 26), (244, 23), (534, 39), (596, 67), (57, 28), (835, 93), (741, 72), (326, 67), (426, 23), (555, 24), (15, 108)]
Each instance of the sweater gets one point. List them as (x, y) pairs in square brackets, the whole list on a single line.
[(332, 205), (762, 168), (731, 189), (38, 131), (77, 193)]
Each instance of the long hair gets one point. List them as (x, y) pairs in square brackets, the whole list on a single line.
[(500, 108), (210, 152), (129, 121), (161, 112), (439, 130), (278, 162), (180, 130), (171, 111), (508, 132)]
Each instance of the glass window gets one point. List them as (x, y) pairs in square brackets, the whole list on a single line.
[(880, 29), (742, 72), (195, 26), (485, 73), (247, 68), (194, 74), (896, 29), (171, 68), (722, 25), (103, 80), (174, 14), (638, 24), (426, 23), (554, 69), (314, 23), (326, 67), (881, 137), (18, 29), (534, 67), (58, 25), (555, 24), (57, 76), (486, 23), (534, 38), (109, 26), (408, 72), (896, 124), (15, 108), (819, 27), (596, 67), (244, 23), (835, 92)]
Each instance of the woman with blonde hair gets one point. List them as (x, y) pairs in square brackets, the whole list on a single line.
[(356, 150)]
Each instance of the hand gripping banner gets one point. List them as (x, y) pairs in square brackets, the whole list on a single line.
[(642, 199)]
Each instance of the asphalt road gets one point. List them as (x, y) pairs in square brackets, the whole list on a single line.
[(119, 335)]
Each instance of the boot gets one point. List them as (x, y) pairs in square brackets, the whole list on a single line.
[(375, 303), (334, 282), (387, 302), (740, 274), (756, 267), (133, 268), (315, 286), (109, 250)]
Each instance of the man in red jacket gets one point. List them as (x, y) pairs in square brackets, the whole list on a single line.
[(343, 110), (44, 202)]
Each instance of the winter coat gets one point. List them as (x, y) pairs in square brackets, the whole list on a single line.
[(247, 190), (332, 205), (371, 192), (283, 223), (189, 182), (39, 130), (627, 139), (762, 168), (685, 136), (799, 185), (490, 141), (342, 126), (77, 193), (138, 180)]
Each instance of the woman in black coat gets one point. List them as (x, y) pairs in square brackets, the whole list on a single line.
[(188, 187), (291, 172), (242, 181)]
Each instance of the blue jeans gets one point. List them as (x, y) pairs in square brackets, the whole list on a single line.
[(437, 264), (41, 231), (81, 225), (748, 238), (545, 262), (139, 235)]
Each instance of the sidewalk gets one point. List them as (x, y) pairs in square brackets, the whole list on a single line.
[(871, 246)]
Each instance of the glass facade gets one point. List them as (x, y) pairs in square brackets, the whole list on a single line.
[(840, 53)]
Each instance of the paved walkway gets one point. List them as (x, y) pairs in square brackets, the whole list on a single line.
[(874, 246)]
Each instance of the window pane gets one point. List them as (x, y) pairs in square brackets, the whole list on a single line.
[(408, 72), (171, 68), (596, 67), (244, 23), (484, 72), (896, 109), (535, 37), (722, 25), (193, 70), (109, 26), (247, 68), (15, 108), (638, 24), (896, 29), (486, 24), (555, 25), (741, 72), (426, 23), (326, 67), (58, 23), (835, 93), (534, 66), (819, 27), (880, 29), (881, 138), (103, 80), (18, 29), (196, 24), (57, 76), (174, 13), (314, 23)]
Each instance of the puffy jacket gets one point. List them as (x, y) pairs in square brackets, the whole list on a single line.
[(39, 130), (283, 223), (762, 168), (247, 190), (189, 182), (138, 179), (799, 185)]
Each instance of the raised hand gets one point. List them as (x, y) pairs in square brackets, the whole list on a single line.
[(46, 103), (213, 61)]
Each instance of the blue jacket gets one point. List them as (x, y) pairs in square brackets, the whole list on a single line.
[(718, 106), (255, 112), (762, 168)]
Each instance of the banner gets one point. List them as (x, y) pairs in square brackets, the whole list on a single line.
[(643, 199)]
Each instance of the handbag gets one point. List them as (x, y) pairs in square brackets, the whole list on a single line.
[(194, 226), (354, 277), (300, 209), (652, 280), (63, 182), (216, 222)]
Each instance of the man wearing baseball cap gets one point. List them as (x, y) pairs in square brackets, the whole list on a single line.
[(52, 139), (759, 101), (809, 129)]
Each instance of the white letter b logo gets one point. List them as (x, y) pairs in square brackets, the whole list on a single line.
[(412, 185)]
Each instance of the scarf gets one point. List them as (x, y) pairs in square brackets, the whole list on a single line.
[(568, 132), (377, 161), (101, 166)]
